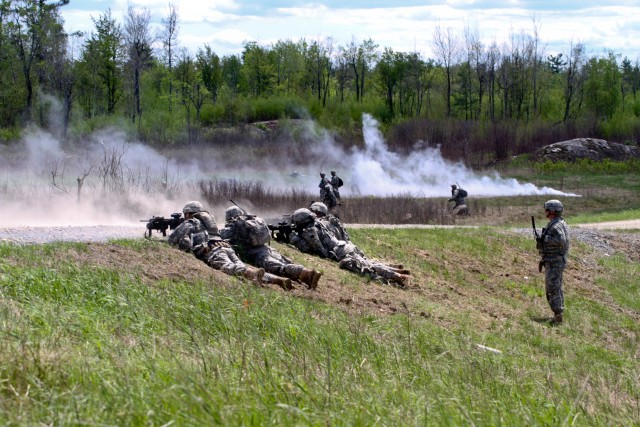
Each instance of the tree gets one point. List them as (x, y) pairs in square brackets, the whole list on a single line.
[(169, 37), (319, 66), (602, 86), (361, 59), (210, 69), (257, 70), (101, 67), (574, 80), (138, 42), (446, 47), (31, 24)]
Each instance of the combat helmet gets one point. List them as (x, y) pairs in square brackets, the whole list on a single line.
[(303, 217), (553, 205), (319, 208), (454, 186), (322, 174), (232, 212), (192, 207)]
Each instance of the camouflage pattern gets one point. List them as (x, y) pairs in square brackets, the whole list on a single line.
[(190, 236), (208, 221), (318, 240), (192, 207), (335, 185), (553, 247), (326, 192), (553, 205), (331, 221), (222, 257), (262, 256), (456, 197)]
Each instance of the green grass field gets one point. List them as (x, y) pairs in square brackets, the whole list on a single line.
[(88, 344)]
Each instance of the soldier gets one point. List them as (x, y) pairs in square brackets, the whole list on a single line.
[(250, 235), (326, 191), (331, 221), (553, 247), (193, 236), (457, 196), (336, 183), (314, 237)]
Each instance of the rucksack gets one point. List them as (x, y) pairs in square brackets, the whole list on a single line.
[(340, 182), (252, 230), (462, 192)]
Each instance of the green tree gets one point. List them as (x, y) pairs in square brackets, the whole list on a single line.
[(138, 42), (210, 69), (169, 38), (31, 25), (102, 67), (258, 72), (602, 86)]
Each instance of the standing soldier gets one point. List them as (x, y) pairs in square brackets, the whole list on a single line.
[(553, 247), (336, 183), (326, 191)]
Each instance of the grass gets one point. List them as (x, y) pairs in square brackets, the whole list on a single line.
[(88, 344)]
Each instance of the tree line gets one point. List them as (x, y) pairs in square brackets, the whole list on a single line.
[(130, 74)]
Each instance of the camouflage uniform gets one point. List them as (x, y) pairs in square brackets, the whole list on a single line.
[(326, 192), (456, 197), (315, 238), (553, 247), (335, 185), (266, 257), (199, 235), (331, 221)]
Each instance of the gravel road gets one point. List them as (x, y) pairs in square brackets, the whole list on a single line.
[(594, 234)]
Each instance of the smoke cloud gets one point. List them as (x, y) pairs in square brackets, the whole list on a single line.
[(107, 180)]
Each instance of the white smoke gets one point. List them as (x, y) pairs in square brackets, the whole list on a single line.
[(424, 172)]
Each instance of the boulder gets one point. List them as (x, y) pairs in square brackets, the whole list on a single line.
[(586, 148)]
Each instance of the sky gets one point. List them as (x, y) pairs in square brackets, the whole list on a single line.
[(404, 26)]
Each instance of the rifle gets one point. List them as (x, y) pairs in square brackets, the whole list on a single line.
[(535, 230), (161, 224), (281, 229)]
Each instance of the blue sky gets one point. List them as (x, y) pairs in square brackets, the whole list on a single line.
[(404, 26)]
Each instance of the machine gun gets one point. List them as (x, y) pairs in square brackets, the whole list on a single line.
[(162, 224), (281, 229)]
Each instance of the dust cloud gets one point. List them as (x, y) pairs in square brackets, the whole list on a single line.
[(110, 180)]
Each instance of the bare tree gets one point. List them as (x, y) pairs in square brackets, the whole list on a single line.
[(138, 40), (446, 47), (574, 81), (169, 37)]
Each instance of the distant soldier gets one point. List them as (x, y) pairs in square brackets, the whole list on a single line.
[(458, 197), (326, 191), (553, 247), (250, 234), (314, 237), (199, 235), (336, 182), (332, 222)]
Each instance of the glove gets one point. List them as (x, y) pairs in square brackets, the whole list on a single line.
[(540, 265)]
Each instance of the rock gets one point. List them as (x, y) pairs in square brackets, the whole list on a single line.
[(586, 148)]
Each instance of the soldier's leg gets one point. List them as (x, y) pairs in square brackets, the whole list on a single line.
[(226, 260), (553, 271)]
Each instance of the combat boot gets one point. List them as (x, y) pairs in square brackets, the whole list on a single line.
[(308, 277), (402, 271), (254, 274), (316, 278), (283, 282), (398, 266), (557, 319), (402, 279)]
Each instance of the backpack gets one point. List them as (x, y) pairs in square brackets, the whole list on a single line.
[(252, 230), (340, 183), (462, 192)]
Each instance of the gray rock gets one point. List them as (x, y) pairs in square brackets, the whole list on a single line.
[(586, 148)]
